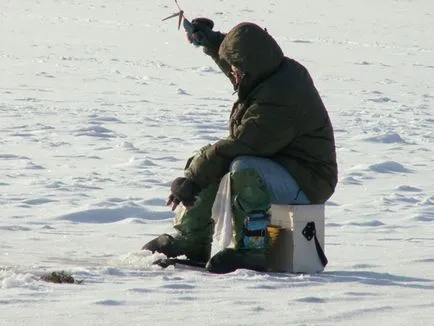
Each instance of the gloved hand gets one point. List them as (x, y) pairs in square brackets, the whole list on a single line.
[(183, 191), (203, 35)]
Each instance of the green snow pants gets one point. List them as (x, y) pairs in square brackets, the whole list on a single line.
[(248, 193)]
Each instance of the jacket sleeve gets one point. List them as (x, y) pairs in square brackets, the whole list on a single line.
[(213, 52), (264, 130)]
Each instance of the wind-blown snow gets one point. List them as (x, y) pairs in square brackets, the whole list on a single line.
[(101, 104)]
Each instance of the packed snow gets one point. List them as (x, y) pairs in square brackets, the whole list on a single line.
[(101, 104)]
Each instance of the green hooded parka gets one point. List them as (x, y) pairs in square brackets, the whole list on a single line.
[(279, 115)]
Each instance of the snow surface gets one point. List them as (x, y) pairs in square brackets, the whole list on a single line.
[(101, 103)]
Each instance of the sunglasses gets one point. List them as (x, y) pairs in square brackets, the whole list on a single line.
[(236, 73)]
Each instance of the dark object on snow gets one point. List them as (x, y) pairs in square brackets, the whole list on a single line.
[(60, 277)]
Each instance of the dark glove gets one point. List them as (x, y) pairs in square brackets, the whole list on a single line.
[(203, 35), (183, 191)]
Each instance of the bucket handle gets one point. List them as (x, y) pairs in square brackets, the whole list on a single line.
[(309, 232)]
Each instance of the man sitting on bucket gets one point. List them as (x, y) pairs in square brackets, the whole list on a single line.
[(280, 150)]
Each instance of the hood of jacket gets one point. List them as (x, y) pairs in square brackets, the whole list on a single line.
[(253, 51)]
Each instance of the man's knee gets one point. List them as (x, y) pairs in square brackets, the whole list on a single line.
[(249, 194), (241, 163), (249, 190)]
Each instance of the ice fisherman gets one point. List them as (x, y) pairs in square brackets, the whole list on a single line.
[(280, 150)]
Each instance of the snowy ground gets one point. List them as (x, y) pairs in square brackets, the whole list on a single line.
[(100, 105)]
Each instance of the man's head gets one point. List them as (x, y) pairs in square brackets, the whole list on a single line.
[(251, 50)]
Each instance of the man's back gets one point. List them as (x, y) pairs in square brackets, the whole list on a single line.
[(293, 103)]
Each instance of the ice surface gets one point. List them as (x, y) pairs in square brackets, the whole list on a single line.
[(101, 103)]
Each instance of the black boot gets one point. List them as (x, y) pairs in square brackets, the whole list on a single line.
[(229, 260), (178, 246)]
